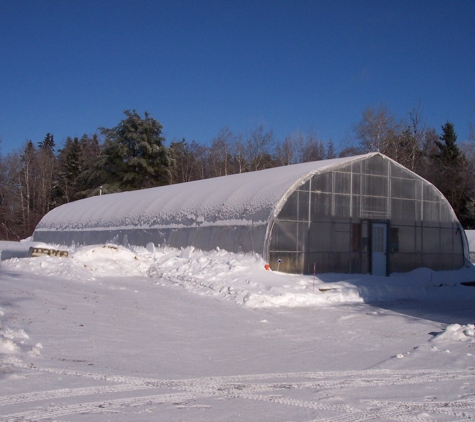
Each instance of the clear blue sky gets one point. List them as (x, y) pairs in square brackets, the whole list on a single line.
[(68, 67)]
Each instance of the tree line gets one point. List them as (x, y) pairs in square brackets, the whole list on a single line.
[(134, 155)]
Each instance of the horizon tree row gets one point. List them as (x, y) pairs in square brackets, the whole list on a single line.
[(133, 155)]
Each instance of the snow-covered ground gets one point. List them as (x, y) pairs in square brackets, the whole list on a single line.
[(149, 334)]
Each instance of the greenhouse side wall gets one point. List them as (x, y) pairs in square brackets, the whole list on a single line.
[(230, 238), (326, 224)]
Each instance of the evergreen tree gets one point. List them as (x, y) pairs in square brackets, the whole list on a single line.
[(331, 153), (135, 156), (47, 144), (449, 152), (26, 183), (91, 149), (454, 175), (73, 160), (70, 167), (46, 167)]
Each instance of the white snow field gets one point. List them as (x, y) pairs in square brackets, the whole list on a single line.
[(146, 334)]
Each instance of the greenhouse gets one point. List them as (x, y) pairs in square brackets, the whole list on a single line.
[(362, 214)]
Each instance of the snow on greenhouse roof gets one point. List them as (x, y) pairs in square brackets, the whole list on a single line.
[(240, 199)]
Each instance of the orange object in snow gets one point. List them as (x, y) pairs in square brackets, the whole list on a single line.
[(267, 267)]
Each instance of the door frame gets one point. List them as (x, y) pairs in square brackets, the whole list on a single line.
[(386, 223)]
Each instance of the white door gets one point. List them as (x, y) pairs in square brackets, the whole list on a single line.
[(378, 249)]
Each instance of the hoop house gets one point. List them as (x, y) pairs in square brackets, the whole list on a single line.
[(363, 214)]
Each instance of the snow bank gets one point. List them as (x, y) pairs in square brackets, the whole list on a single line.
[(10, 249), (12, 341), (456, 332), (241, 278)]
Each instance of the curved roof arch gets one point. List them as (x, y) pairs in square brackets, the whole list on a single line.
[(240, 199)]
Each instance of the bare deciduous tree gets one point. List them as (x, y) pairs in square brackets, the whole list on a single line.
[(259, 146), (188, 161), (472, 124), (313, 149), (289, 151), (376, 130), (220, 153)]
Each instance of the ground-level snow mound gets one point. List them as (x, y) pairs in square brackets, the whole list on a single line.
[(242, 278), (86, 263), (107, 260), (13, 340), (456, 332)]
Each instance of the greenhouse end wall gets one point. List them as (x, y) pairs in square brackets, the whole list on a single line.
[(338, 219)]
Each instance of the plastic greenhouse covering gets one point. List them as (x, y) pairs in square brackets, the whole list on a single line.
[(363, 214)]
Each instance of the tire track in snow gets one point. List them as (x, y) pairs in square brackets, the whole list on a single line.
[(68, 392), (296, 402), (401, 411), (389, 377), (454, 408), (99, 406), (252, 387)]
